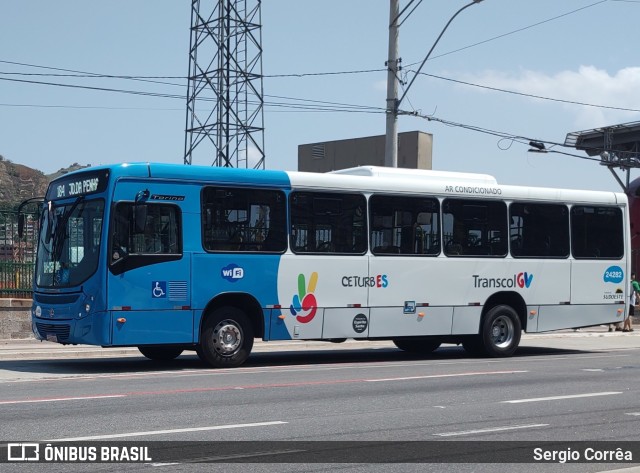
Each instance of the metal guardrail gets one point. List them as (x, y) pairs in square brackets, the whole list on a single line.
[(17, 255)]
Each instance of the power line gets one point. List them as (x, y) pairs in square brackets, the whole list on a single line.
[(102, 89), (408, 14), (298, 103), (434, 76), (305, 105), (542, 22), (523, 94), (86, 107), (504, 135), (325, 102), (307, 74), (314, 104), (75, 73), (152, 79), (514, 31)]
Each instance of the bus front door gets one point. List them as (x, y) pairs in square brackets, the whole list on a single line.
[(151, 305)]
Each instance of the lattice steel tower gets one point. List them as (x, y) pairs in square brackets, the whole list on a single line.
[(225, 105)]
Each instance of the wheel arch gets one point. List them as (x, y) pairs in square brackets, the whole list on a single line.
[(241, 300), (510, 298)]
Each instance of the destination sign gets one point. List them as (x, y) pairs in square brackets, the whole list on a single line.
[(77, 184)]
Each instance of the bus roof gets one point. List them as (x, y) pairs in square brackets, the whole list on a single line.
[(398, 173), (181, 172), (412, 181), (363, 179)]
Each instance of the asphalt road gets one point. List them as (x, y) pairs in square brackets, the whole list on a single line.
[(558, 388)]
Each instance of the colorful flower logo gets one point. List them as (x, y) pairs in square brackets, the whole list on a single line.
[(304, 304)]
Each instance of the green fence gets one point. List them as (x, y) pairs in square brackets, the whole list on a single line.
[(17, 255)]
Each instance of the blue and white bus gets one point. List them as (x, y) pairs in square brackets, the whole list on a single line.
[(169, 258)]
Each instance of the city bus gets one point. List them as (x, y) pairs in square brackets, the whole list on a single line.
[(168, 258)]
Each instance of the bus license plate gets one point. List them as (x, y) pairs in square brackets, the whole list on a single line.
[(52, 338)]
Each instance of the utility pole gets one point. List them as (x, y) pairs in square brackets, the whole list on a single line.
[(391, 142), (393, 102)]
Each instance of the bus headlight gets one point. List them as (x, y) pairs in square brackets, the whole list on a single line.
[(88, 302), (38, 311)]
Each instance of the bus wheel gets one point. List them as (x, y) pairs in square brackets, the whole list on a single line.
[(200, 354), (501, 331), (160, 353), (227, 338), (417, 347)]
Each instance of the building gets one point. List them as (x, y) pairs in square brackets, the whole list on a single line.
[(414, 152)]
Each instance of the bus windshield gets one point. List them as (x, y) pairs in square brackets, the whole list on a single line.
[(69, 243)]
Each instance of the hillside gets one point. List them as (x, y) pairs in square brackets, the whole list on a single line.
[(19, 182)]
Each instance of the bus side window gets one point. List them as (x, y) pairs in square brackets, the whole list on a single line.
[(539, 230), (404, 225), (160, 232), (475, 227), (592, 232), (328, 222), (243, 220)]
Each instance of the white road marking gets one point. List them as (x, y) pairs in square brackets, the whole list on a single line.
[(491, 429), (169, 431), (556, 398), (452, 375), (592, 369), (633, 413), (58, 399)]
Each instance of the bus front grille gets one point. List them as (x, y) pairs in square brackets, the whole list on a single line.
[(61, 331)]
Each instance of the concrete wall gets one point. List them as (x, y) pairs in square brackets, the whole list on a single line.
[(15, 319)]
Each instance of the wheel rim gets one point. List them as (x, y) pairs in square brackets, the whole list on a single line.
[(227, 338), (502, 331)]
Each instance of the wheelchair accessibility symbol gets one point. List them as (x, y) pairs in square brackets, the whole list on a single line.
[(159, 289)]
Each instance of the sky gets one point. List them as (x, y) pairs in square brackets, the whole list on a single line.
[(580, 58)]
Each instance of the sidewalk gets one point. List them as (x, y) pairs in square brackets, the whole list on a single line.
[(31, 349)]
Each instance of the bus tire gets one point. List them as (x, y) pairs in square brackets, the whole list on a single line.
[(501, 331), (417, 347), (227, 338), (200, 354), (161, 353)]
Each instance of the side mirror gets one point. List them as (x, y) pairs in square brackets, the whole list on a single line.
[(21, 215)]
